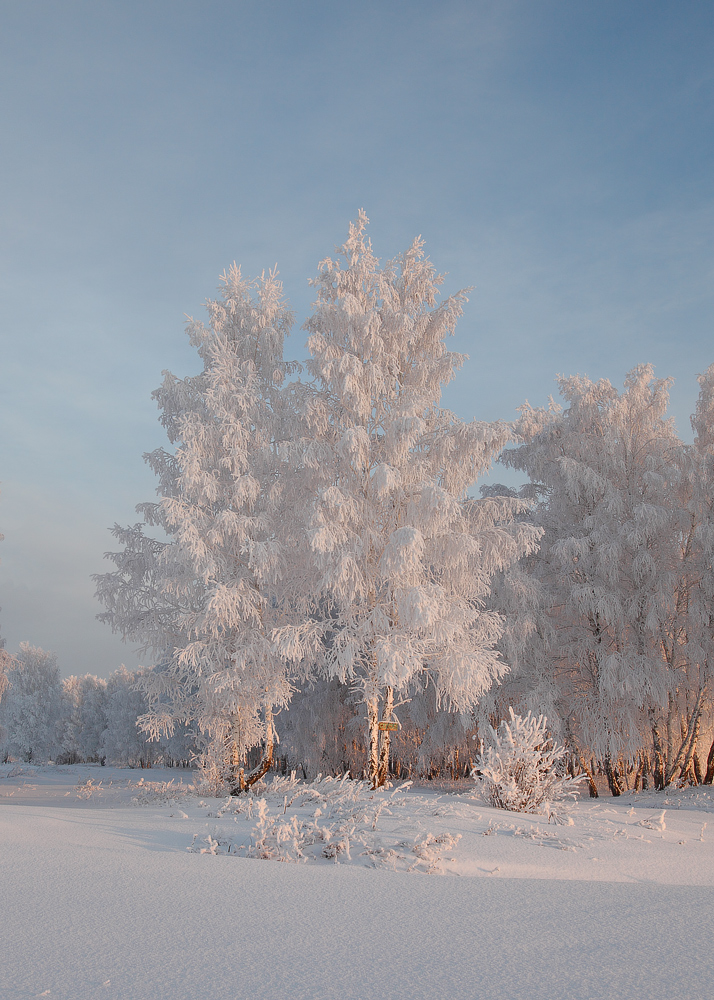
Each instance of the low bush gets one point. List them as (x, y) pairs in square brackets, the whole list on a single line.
[(523, 770)]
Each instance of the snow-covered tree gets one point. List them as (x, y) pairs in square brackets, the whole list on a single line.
[(83, 718), (5, 662), (611, 565), (205, 601), (676, 735), (122, 742), (30, 706), (321, 525), (404, 557)]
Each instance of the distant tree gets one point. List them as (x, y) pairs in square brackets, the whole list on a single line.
[(30, 706), (83, 718), (122, 741), (5, 662), (69, 723), (322, 732)]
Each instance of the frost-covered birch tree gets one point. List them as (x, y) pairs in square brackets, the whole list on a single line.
[(404, 558), (205, 600), (317, 525), (611, 562)]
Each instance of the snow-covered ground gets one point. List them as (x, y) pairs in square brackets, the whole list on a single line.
[(117, 887)]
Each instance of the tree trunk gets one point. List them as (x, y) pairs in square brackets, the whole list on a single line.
[(688, 769), (613, 778), (373, 726), (383, 769), (709, 776), (592, 787), (240, 781), (639, 772), (696, 764), (658, 771), (646, 770), (623, 771), (669, 754), (690, 731)]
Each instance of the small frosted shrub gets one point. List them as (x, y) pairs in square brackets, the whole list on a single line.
[(523, 769)]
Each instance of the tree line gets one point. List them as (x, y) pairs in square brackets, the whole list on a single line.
[(44, 717)]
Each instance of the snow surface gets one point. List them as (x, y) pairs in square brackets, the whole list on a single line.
[(117, 887)]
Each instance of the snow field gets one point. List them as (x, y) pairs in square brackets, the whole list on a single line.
[(105, 893)]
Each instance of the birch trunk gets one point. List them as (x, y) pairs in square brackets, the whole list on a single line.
[(689, 741), (241, 781), (709, 776), (688, 767), (383, 769), (373, 725), (613, 778), (592, 787), (659, 767)]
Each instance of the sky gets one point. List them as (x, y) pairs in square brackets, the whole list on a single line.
[(555, 156)]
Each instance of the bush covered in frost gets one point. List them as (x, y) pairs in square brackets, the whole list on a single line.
[(523, 769)]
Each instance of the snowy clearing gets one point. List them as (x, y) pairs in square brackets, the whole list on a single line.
[(126, 884)]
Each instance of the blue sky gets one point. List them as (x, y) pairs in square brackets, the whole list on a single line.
[(555, 155)]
